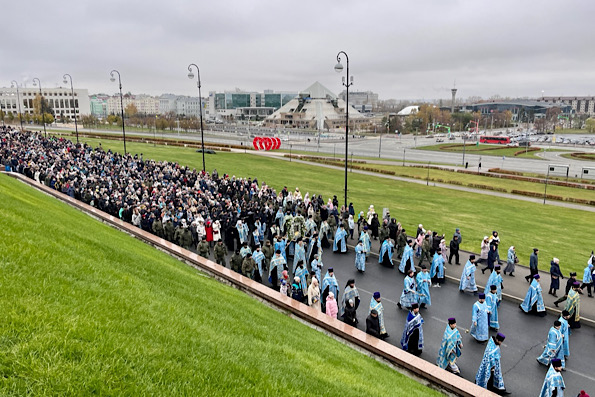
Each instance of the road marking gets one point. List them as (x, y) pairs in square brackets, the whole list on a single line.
[(383, 299), (578, 373)]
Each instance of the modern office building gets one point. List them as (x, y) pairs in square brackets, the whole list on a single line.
[(59, 100), (241, 104), (579, 104), (519, 109), (98, 104)]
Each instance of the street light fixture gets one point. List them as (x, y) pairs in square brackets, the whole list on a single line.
[(347, 82), (41, 99), (202, 138), (76, 128), (113, 79), (19, 102)]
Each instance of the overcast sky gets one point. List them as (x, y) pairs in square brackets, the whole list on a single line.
[(404, 50)]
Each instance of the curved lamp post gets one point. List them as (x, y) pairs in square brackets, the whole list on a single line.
[(41, 100), (19, 102), (113, 79), (76, 128), (347, 82), (202, 138)]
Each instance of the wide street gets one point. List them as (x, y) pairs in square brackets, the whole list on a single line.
[(525, 334), (384, 148)]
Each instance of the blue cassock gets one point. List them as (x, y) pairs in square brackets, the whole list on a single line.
[(495, 279), (533, 297), (243, 232), (360, 258), (437, 269), (302, 273), (553, 380), (380, 309), (450, 348), (491, 359), (387, 247), (480, 316), (280, 245), (365, 238), (468, 284), (409, 294), (423, 287), (407, 257), (565, 334), (492, 304), (553, 348), (279, 263), (330, 282), (258, 257), (340, 235), (314, 266), (299, 255), (413, 322)]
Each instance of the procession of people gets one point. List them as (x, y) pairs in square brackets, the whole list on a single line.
[(281, 240)]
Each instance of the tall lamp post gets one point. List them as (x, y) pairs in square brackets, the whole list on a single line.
[(202, 137), (76, 128), (41, 100), (113, 79), (19, 102), (347, 82)]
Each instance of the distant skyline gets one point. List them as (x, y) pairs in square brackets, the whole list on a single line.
[(401, 50)]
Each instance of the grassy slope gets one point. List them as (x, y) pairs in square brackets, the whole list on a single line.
[(520, 223), (90, 310), (487, 150)]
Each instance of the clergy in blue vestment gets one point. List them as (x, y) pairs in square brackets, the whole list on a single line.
[(423, 287), (316, 266), (350, 292), (409, 294), (407, 258), (376, 304), (258, 257), (413, 334), (553, 384), (565, 332), (329, 284), (365, 239), (276, 268), (450, 348), (553, 348), (437, 269), (495, 279), (302, 272), (533, 302), (299, 253), (468, 277), (360, 257), (479, 320), (339, 243), (242, 231), (281, 245), (386, 253), (489, 374), (492, 304)]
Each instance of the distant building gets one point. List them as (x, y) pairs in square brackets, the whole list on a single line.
[(241, 104), (408, 110), (316, 107), (519, 109), (580, 104), (362, 101), (144, 104), (59, 99), (98, 104)]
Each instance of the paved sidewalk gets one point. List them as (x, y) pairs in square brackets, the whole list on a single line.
[(515, 288)]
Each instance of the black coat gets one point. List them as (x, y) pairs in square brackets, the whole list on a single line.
[(349, 315), (373, 326)]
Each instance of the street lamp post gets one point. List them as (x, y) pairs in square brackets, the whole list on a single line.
[(202, 137), (19, 102), (76, 128), (113, 79), (347, 82), (42, 110)]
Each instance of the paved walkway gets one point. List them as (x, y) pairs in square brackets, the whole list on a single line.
[(437, 184)]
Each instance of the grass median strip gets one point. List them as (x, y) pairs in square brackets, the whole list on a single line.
[(87, 309)]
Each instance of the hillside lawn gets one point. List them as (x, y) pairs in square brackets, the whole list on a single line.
[(87, 309), (490, 150), (554, 230)]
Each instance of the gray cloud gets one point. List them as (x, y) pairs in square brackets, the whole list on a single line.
[(398, 49)]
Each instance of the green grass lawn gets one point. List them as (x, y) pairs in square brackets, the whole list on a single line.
[(87, 309), (520, 223), (583, 157), (488, 150), (468, 180)]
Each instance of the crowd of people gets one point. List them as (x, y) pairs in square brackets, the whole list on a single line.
[(280, 239)]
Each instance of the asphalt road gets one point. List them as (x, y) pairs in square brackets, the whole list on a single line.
[(525, 334)]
